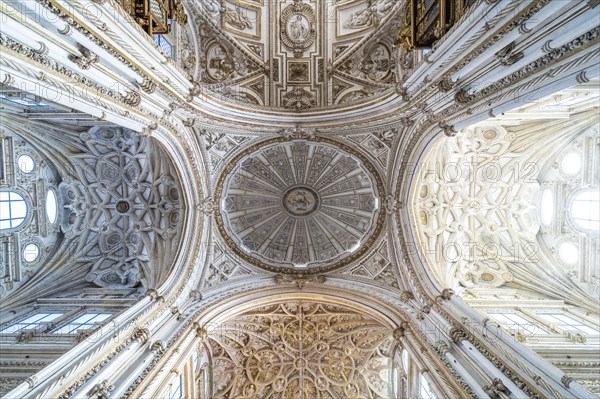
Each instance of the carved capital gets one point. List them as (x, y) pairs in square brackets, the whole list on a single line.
[(406, 122), (458, 334), (152, 293), (449, 130), (85, 59), (201, 334), (442, 347), (445, 295), (148, 85), (446, 84), (141, 335), (406, 296), (189, 122), (399, 333), (158, 347), (132, 98), (177, 313), (402, 92), (196, 89)]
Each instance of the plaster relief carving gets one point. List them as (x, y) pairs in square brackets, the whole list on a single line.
[(313, 350), (220, 65), (294, 204), (238, 18), (298, 30)]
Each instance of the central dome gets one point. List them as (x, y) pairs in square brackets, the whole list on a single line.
[(299, 205)]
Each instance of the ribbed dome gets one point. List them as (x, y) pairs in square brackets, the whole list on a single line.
[(298, 203)]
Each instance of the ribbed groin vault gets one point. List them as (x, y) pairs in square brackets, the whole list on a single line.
[(299, 199)]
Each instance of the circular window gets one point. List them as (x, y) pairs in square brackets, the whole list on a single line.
[(571, 163), (547, 207), (585, 210), (31, 252), (51, 206), (26, 163), (568, 252)]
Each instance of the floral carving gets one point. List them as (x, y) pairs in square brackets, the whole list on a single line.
[(302, 349)]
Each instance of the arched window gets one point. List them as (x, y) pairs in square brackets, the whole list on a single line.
[(585, 210), (13, 210)]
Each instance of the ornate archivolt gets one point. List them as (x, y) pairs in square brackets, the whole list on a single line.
[(302, 348), (476, 208)]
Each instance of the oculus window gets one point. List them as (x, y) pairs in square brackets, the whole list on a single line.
[(26, 163), (31, 252), (51, 208)]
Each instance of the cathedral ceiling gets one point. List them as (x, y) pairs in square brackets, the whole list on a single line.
[(294, 54), (118, 198), (299, 205), (302, 349), (476, 201)]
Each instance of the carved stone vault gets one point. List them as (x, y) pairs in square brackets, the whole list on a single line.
[(294, 54), (302, 349)]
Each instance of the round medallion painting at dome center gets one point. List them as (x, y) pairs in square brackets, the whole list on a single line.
[(299, 206)]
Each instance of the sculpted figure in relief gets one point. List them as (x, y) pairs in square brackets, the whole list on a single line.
[(238, 18), (298, 29), (367, 17)]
